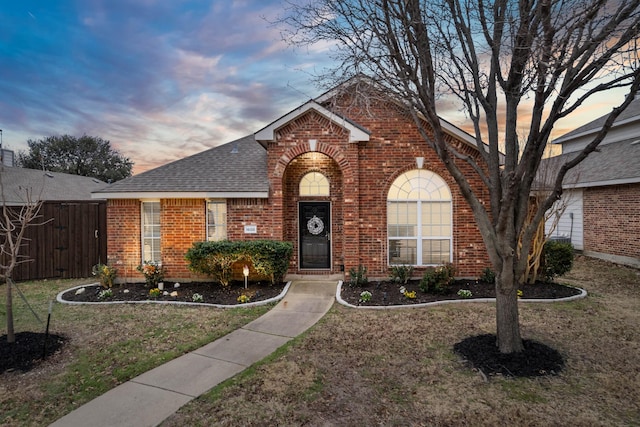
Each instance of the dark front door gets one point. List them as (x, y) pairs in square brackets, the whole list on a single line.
[(315, 235)]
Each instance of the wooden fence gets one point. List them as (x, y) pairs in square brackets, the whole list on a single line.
[(71, 241)]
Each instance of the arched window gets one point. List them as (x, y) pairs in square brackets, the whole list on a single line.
[(314, 184), (419, 219)]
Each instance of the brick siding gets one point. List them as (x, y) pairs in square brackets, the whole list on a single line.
[(612, 220), (360, 175)]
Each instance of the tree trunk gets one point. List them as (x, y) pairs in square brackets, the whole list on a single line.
[(11, 337), (507, 320)]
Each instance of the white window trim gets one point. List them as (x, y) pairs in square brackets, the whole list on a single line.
[(419, 238), (142, 225), (226, 214)]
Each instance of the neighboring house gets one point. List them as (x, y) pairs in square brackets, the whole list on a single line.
[(602, 193), (347, 184), (72, 235)]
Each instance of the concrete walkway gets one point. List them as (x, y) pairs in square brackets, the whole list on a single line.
[(150, 398)]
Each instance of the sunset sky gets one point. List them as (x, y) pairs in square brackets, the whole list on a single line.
[(159, 79)]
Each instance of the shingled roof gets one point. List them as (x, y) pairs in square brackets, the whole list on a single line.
[(233, 170), (46, 186), (612, 164)]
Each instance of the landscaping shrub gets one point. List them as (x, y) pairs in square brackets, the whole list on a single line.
[(557, 259), (269, 258), (488, 276), (401, 273), (437, 279), (106, 275), (358, 277)]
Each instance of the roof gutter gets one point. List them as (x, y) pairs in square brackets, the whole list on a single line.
[(182, 195)]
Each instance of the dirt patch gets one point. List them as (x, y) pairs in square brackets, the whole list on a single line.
[(388, 293), (211, 293)]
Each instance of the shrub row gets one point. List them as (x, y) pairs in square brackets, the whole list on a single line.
[(269, 258)]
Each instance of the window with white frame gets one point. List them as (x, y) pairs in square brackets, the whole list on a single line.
[(216, 220), (419, 219), (151, 231), (314, 184)]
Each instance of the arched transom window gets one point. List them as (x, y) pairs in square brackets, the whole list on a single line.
[(419, 219), (314, 184)]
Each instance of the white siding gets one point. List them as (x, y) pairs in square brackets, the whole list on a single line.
[(570, 223), (616, 134)]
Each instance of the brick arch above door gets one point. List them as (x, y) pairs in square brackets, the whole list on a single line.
[(334, 152)]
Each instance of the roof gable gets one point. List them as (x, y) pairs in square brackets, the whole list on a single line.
[(356, 132), (362, 80)]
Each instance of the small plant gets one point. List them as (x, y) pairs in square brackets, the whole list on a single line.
[(488, 275), (243, 299), (105, 293), (152, 271), (407, 294), (106, 275), (401, 273), (465, 293), (197, 297), (154, 292), (520, 293), (557, 259), (437, 279), (365, 296), (358, 277)]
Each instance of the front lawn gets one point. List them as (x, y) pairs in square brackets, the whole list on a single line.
[(107, 345), (397, 367)]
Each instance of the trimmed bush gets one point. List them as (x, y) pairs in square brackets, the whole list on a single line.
[(488, 275), (269, 258), (437, 279), (557, 259)]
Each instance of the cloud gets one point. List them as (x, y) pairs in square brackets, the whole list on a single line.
[(160, 80)]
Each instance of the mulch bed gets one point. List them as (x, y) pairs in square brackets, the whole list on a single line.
[(212, 293), (481, 352), (387, 293), (28, 350)]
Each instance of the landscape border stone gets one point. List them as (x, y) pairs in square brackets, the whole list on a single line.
[(249, 304), (581, 295)]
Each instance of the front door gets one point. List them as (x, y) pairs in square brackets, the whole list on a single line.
[(315, 235)]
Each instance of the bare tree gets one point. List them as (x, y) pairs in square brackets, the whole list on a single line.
[(13, 224), (541, 190), (491, 57)]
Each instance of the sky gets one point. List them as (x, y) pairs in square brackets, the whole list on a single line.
[(159, 79)]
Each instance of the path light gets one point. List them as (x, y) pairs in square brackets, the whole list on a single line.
[(245, 271)]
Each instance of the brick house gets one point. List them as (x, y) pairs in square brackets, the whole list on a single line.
[(347, 184), (602, 194)]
